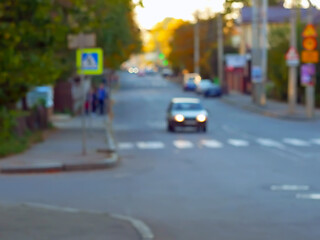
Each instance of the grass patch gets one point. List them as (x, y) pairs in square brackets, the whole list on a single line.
[(19, 144)]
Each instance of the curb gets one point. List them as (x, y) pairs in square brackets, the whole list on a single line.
[(143, 229), (68, 167), (268, 113), (111, 146), (60, 167)]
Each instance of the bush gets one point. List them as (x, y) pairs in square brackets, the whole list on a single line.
[(7, 123), (15, 135), (15, 145)]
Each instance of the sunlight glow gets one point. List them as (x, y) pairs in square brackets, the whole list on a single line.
[(155, 11)]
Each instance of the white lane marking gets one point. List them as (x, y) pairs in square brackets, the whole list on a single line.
[(316, 141), (51, 207), (125, 145), (139, 225), (143, 229), (150, 145), (312, 196), (270, 143), (287, 187), (182, 144), (296, 142), (211, 143), (238, 142)]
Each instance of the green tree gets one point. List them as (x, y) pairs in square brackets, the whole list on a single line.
[(28, 37), (33, 39), (182, 45), (277, 68), (116, 30)]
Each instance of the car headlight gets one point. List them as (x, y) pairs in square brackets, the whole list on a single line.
[(179, 118), (201, 118)]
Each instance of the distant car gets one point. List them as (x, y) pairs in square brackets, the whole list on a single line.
[(190, 86), (184, 112), (166, 72), (133, 70), (150, 71), (190, 81), (203, 85), (213, 90)]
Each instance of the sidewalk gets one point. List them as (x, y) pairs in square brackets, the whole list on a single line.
[(62, 148), (271, 109), (33, 223)]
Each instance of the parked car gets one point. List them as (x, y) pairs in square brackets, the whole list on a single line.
[(190, 86), (190, 81), (203, 85), (166, 72), (184, 112), (214, 90)]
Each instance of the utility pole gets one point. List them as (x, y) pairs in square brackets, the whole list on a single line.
[(256, 55), (310, 103), (82, 44), (292, 85), (221, 53), (264, 51), (196, 44)]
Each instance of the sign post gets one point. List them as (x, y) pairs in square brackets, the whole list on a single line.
[(90, 61), (309, 56), (84, 66), (292, 59), (292, 62)]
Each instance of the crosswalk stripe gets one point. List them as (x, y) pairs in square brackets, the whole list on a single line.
[(211, 143), (238, 142), (316, 141), (150, 145), (182, 144), (296, 142), (125, 145), (269, 143), (313, 196)]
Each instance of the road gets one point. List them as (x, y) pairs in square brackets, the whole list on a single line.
[(248, 177)]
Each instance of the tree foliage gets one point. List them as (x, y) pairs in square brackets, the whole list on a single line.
[(277, 68), (161, 34), (28, 37), (116, 30), (33, 39), (182, 45)]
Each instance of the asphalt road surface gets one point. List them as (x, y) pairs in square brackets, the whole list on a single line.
[(248, 177)]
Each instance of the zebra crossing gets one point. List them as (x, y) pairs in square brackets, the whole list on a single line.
[(217, 144)]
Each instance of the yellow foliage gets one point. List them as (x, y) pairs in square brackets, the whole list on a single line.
[(161, 34)]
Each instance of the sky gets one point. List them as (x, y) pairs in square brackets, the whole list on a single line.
[(155, 11)]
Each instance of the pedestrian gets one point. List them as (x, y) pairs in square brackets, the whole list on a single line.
[(101, 95), (93, 96)]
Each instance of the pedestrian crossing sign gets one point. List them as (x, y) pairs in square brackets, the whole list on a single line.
[(90, 61)]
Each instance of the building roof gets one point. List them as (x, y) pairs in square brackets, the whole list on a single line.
[(278, 14)]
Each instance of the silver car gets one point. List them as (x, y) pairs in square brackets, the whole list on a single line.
[(185, 112)]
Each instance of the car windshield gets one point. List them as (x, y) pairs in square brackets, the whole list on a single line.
[(187, 106)]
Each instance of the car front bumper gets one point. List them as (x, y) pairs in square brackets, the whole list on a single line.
[(187, 123)]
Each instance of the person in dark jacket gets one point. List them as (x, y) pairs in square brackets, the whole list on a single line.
[(102, 96)]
